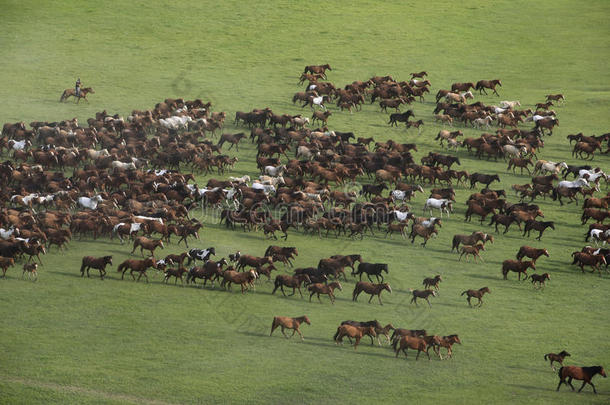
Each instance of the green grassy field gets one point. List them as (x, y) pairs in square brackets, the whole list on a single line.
[(72, 340)]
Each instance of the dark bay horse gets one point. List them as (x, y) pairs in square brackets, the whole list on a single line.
[(72, 93), (476, 294), (579, 373), (98, 263)]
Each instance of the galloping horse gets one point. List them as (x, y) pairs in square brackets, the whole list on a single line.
[(71, 92), (98, 263), (558, 357)]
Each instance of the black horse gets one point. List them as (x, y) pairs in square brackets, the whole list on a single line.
[(370, 269), (200, 254)]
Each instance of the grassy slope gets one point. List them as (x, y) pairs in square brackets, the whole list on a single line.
[(187, 345)]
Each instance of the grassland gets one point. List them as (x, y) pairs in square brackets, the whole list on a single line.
[(72, 340)]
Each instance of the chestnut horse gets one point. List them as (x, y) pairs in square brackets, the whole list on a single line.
[(356, 332), (415, 343), (72, 93), (517, 266), (321, 288), (579, 373), (139, 266), (369, 288), (148, 244), (98, 263), (289, 323)]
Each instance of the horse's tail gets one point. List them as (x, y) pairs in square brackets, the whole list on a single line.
[(463, 293), (63, 95), (121, 267), (546, 356), (336, 334)]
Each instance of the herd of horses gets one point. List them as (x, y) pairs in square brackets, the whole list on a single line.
[(127, 183)]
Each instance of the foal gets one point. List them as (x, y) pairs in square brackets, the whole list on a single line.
[(478, 294), (425, 294), (540, 279), (30, 268), (432, 281), (320, 288), (556, 357)]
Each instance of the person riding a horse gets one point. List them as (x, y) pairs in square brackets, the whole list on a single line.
[(77, 88)]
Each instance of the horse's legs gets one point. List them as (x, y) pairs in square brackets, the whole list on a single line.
[(283, 332), (371, 298), (583, 386), (570, 383), (560, 382), (299, 332), (469, 304), (428, 300), (379, 296)]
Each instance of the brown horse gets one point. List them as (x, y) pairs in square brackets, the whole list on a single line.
[(472, 250), (531, 252), (321, 288), (585, 259), (293, 282), (415, 343), (432, 281), (488, 84), (139, 266), (471, 239), (148, 244), (243, 279), (424, 232), (540, 279), (31, 269), (356, 332), (478, 294), (423, 294), (579, 373), (289, 323), (370, 288), (447, 342), (98, 263), (177, 273), (317, 69), (517, 266), (556, 357), (72, 93), (540, 226)]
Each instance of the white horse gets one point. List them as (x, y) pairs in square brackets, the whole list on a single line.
[(19, 145), (94, 154), (270, 180), (535, 118), (304, 152), (573, 184), (275, 171), (499, 110), (5, 234), (401, 216), (592, 175), (442, 204), (319, 101), (467, 94), (267, 188), (90, 203), (175, 122), (543, 166), (428, 223), (143, 218), (300, 121), (117, 164), (480, 122), (514, 151), (240, 180), (398, 195), (510, 104)]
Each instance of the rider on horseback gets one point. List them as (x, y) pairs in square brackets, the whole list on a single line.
[(77, 88)]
